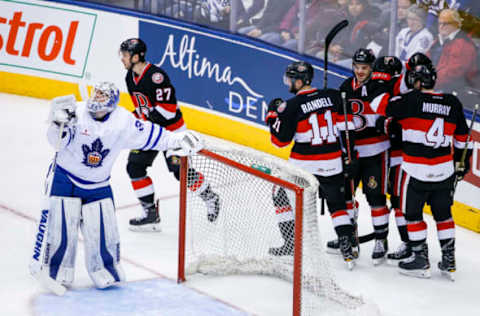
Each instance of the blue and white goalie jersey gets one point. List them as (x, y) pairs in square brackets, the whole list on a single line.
[(89, 148)]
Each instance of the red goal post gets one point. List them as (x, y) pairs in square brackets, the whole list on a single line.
[(238, 241)]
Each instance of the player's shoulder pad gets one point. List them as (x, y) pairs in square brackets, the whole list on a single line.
[(157, 75)]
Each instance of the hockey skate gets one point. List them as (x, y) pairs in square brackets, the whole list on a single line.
[(379, 251), (418, 264), (346, 250), (212, 201), (287, 229), (333, 246), (447, 266), (403, 252), (148, 222)]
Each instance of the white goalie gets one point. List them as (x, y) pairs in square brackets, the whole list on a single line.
[(88, 137)]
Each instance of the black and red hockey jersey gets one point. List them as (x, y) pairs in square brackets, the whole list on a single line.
[(154, 98), (431, 124), (312, 119), (368, 142), (393, 86)]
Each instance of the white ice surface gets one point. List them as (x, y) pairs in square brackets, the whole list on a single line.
[(150, 259)]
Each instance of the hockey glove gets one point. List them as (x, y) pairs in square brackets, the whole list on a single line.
[(350, 169), (272, 113), (388, 126), (185, 143), (461, 169), (62, 110)]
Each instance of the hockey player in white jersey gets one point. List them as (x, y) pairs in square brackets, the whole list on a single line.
[(88, 138)]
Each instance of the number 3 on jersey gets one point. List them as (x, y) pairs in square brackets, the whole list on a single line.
[(322, 133), (435, 135)]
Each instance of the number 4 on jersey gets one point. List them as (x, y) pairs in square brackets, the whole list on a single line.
[(435, 135), (324, 133)]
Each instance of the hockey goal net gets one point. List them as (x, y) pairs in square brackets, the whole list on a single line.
[(247, 228)]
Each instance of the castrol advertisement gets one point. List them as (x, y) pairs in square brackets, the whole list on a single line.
[(45, 38)]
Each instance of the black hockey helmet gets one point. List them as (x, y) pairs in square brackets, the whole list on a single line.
[(417, 59), (134, 46), (364, 56), (301, 70), (388, 64), (426, 74)]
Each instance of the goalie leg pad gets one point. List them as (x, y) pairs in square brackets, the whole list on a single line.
[(61, 223), (102, 243)]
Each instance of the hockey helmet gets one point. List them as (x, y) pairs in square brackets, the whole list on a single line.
[(300, 70), (417, 59), (388, 64), (104, 98), (426, 74), (364, 56), (134, 46)]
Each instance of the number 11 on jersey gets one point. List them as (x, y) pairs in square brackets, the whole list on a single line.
[(322, 133)]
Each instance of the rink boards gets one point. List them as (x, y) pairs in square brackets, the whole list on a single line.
[(222, 81)]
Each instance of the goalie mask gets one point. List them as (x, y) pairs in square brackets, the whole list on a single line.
[(104, 99)]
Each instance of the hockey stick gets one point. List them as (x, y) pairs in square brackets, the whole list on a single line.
[(368, 237), (330, 36), (347, 137), (461, 163), (328, 40)]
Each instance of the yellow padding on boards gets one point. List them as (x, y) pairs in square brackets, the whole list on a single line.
[(36, 87), (463, 215)]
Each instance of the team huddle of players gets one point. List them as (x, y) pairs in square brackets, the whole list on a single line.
[(385, 128), (388, 129)]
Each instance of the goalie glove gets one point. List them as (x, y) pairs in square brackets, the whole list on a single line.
[(272, 113), (62, 110), (185, 143)]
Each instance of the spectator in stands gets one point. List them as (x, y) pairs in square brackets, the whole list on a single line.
[(381, 35), (215, 13), (415, 37), (453, 53), (288, 33), (359, 32), (270, 20), (329, 16), (248, 12), (434, 7)]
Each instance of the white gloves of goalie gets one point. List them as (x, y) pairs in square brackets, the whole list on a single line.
[(185, 143), (62, 110)]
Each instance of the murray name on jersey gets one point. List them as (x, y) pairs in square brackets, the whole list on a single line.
[(90, 147), (312, 119), (431, 124)]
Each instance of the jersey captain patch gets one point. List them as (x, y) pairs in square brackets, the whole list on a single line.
[(157, 78), (93, 157)]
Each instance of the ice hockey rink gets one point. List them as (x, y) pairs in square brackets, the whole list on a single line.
[(150, 259)]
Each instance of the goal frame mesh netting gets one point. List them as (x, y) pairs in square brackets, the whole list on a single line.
[(315, 291)]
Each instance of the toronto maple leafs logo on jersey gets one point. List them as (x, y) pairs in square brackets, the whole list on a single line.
[(93, 157)]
